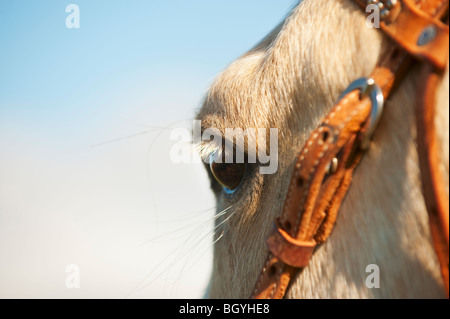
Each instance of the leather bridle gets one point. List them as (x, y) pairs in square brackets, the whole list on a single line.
[(323, 171)]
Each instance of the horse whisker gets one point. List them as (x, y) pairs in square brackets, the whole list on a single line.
[(182, 251)]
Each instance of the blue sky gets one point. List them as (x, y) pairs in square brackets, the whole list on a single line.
[(54, 78), (131, 69)]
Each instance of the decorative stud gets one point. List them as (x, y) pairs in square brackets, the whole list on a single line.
[(390, 4), (384, 14), (428, 34)]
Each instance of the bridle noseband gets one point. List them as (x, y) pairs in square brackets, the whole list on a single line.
[(324, 168)]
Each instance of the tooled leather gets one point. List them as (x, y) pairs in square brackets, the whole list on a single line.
[(303, 196), (319, 202), (312, 160), (304, 207)]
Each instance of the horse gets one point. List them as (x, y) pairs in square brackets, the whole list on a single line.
[(290, 80)]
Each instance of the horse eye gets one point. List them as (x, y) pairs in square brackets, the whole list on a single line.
[(229, 175)]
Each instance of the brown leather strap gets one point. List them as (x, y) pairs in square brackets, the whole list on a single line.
[(323, 172), (417, 29), (317, 189), (433, 185)]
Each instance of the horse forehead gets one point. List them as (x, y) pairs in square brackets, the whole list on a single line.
[(239, 97)]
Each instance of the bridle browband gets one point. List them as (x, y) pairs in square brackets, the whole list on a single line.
[(324, 168)]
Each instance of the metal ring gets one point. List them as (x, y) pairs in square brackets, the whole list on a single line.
[(368, 87)]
